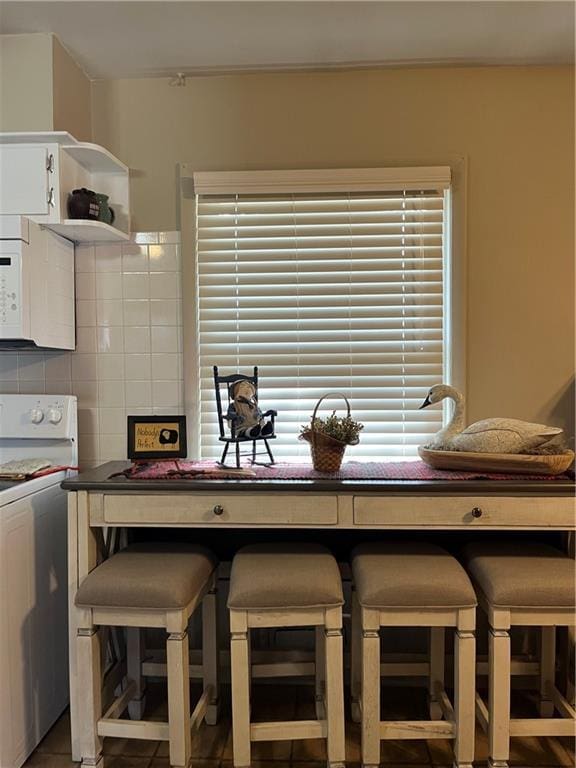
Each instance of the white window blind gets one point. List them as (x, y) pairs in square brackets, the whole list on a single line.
[(326, 291)]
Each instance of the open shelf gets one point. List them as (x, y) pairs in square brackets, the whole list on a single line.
[(41, 169), (95, 159), (84, 231)]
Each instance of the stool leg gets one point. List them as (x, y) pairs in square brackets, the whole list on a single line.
[(240, 671), (177, 658), (370, 688), (210, 654), (547, 669), (499, 697), (464, 696), (134, 656), (436, 675), (356, 659), (320, 672), (89, 695), (334, 688)]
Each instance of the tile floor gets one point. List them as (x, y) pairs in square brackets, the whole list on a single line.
[(213, 745)]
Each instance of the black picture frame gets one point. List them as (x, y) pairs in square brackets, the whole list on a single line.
[(157, 447)]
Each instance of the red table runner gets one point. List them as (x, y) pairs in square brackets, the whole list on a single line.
[(351, 470)]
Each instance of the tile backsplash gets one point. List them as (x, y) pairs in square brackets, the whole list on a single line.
[(128, 357)]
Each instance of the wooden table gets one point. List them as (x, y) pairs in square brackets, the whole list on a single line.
[(97, 501)]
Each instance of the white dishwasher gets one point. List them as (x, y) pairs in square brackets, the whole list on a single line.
[(33, 571)]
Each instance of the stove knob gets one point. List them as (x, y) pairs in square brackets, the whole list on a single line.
[(36, 415), (54, 416)]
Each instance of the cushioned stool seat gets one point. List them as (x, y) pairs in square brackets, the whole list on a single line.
[(409, 575), (522, 583), (284, 576), (522, 575), (150, 576), (287, 585), (413, 584)]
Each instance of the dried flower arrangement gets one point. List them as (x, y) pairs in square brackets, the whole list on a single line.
[(341, 428)]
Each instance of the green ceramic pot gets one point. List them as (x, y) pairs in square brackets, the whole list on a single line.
[(106, 213)]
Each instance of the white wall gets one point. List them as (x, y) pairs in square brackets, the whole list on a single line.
[(42, 88), (128, 358)]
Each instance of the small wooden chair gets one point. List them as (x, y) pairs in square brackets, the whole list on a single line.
[(522, 584), (413, 585), (228, 382), (147, 586), (277, 585)]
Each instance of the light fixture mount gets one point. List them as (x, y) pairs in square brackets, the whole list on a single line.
[(178, 81)]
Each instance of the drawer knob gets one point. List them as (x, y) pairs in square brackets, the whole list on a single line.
[(218, 510), (476, 512)]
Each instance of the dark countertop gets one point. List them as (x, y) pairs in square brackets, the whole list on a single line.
[(99, 479)]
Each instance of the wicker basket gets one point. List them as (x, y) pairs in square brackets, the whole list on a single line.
[(327, 452)]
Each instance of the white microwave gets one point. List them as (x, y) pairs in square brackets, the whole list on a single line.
[(36, 286)]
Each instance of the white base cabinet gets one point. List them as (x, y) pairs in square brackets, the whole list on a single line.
[(33, 621)]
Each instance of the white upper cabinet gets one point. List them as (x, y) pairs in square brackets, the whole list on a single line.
[(24, 180), (38, 171)]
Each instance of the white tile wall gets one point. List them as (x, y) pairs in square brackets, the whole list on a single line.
[(128, 357)]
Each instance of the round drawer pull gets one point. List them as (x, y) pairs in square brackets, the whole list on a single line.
[(476, 512), (218, 510)]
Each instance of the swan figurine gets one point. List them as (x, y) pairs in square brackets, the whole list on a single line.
[(488, 435)]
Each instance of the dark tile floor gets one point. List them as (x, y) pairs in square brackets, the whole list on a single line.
[(212, 747)]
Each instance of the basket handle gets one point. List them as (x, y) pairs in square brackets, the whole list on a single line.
[(328, 394)]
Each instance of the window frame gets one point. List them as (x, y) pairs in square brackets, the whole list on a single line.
[(192, 182)]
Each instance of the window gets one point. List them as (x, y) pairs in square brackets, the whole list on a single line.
[(331, 281)]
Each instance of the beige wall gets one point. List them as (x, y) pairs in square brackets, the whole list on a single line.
[(515, 126), (42, 88), (72, 96), (26, 83)]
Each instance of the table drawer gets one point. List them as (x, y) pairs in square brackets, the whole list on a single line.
[(464, 512), (220, 509)]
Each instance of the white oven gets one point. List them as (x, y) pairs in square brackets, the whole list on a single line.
[(36, 286)]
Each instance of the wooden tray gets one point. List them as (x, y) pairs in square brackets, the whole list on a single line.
[(504, 463)]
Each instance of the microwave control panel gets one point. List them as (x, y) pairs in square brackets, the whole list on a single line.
[(10, 287)]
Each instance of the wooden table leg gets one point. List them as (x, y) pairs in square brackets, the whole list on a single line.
[(72, 620), (82, 558)]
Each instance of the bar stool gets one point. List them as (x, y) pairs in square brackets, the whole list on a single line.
[(522, 584), (399, 584), (147, 585), (298, 585)]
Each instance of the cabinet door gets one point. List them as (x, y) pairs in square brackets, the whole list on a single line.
[(24, 185), (52, 291)]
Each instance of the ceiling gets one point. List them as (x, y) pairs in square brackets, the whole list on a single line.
[(112, 39)]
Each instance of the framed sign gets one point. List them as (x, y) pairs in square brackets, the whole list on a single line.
[(156, 437)]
